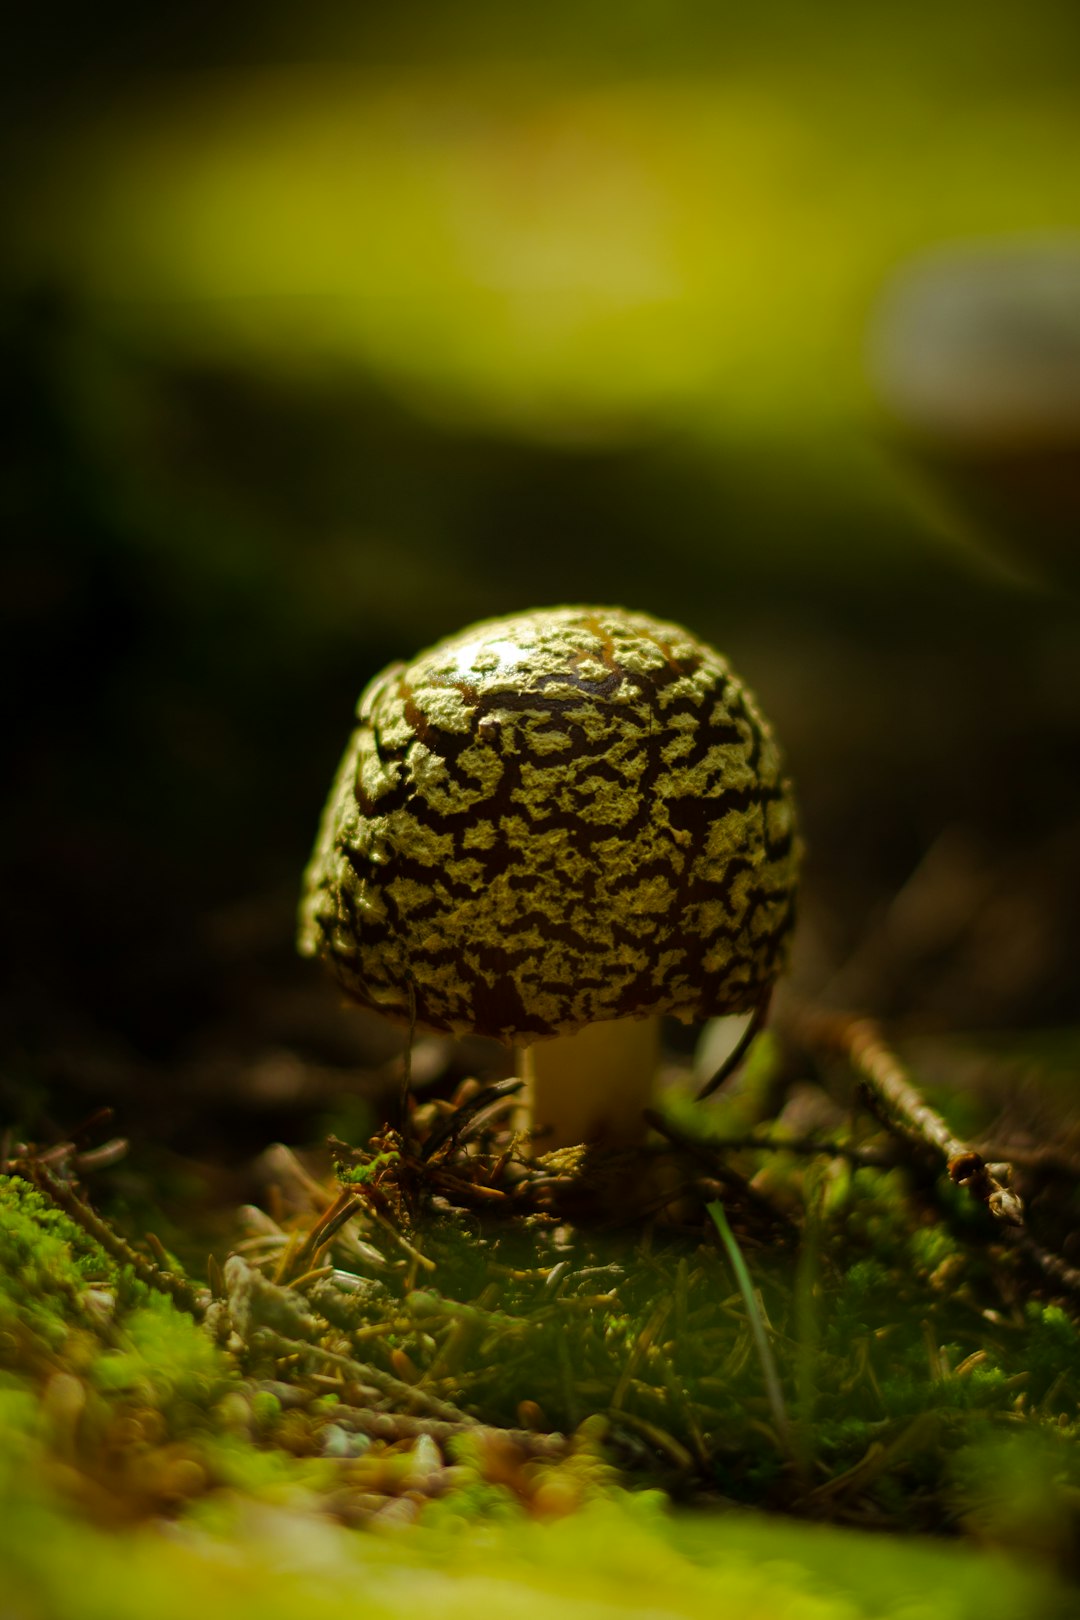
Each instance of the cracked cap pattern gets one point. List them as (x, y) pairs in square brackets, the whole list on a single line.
[(564, 816)]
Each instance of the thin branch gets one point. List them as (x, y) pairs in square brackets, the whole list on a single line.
[(710, 1154), (1045, 1160), (193, 1301), (808, 1147), (893, 1098), (1051, 1265), (363, 1372), (406, 1426), (329, 1223), (465, 1118)]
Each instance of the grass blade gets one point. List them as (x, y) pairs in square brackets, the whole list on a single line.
[(757, 1326)]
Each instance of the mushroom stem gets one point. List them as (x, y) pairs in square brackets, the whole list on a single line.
[(593, 1086)]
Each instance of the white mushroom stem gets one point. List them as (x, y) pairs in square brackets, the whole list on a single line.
[(592, 1086)]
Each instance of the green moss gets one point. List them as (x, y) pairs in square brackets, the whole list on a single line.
[(1019, 1490), (47, 1265), (902, 1365), (621, 1557), (168, 1358), (1053, 1338), (930, 1246), (358, 1174)]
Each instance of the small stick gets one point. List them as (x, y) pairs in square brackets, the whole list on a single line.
[(640, 1349), (179, 1290), (684, 1406), (1051, 1265), (915, 1437), (362, 1372), (100, 1158), (405, 1426), (803, 1147), (710, 1154), (896, 1102), (656, 1437), (1048, 1160), (329, 1223), (464, 1118), (402, 1242)]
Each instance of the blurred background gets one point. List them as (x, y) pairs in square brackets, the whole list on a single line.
[(326, 334)]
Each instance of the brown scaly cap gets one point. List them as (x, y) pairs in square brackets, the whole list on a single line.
[(568, 815)]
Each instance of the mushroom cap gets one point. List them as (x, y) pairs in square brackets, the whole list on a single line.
[(564, 816)]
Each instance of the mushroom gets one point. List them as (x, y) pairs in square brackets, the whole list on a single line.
[(553, 828)]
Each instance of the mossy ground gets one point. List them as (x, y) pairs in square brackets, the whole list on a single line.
[(573, 1405)]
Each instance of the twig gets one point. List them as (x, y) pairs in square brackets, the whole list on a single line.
[(279, 1161), (405, 1426), (710, 1155), (364, 1373), (179, 1290), (466, 1117), (428, 1307), (1051, 1265), (1046, 1160), (916, 1436), (640, 1349), (100, 1158), (683, 1405), (329, 1223), (896, 1102), (400, 1239), (809, 1147), (656, 1437)]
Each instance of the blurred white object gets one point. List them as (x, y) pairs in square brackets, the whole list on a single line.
[(974, 355), (983, 341)]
